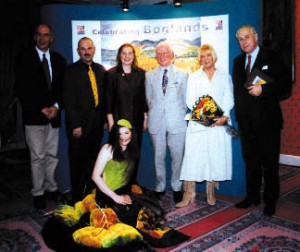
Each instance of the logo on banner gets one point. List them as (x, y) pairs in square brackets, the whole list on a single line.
[(219, 25), (80, 29)]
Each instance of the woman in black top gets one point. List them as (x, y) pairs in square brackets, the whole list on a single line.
[(125, 93)]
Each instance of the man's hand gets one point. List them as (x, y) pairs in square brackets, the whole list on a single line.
[(77, 132), (45, 111), (255, 90), (50, 112)]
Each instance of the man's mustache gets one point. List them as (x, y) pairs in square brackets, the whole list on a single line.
[(87, 55)]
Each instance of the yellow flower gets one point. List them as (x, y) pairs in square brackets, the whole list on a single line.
[(119, 234)]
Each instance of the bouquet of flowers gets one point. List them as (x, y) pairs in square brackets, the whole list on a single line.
[(206, 111)]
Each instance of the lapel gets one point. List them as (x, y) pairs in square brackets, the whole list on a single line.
[(157, 85), (36, 59), (240, 69), (241, 63), (259, 59), (53, 66), (171, 75), (99, 78)]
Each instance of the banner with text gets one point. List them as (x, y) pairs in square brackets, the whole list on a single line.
[(185, 35)]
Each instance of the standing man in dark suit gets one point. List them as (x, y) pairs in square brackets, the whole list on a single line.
[(84, 99), (40, 93), (259, 119)]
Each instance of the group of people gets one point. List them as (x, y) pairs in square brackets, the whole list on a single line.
[(130, 100)]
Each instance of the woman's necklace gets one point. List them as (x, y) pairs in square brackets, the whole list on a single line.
[(126, 73)]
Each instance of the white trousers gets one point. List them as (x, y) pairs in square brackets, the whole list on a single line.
[(43, 142), (175, 143)]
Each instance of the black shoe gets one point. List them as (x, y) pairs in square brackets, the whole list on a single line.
[(246, 204), (55, 195), (39, 202), (67, 199), (269, 210), (177, 196), (159, 195)]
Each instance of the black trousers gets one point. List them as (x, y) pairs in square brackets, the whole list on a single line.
[(83, 153), (261, 148), (134, 175)]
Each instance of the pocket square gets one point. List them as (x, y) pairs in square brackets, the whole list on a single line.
[(265, 67)]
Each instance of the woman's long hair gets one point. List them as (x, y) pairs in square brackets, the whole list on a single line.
[(131, 153)]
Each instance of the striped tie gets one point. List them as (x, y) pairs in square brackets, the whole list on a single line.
[(248, 68), (165, 81), (94, 85)]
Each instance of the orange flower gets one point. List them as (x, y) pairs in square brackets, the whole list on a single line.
[(206, 110), (89, 203), (136, 189), (103, 217)]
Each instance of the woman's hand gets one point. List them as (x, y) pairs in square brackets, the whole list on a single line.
[(220, 121), (123, 199), (110, 121), (110, 125), (145, 122)]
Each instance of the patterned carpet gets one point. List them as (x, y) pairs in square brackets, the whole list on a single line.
[(292, 197), (251, 232), (228, 230), (212, 228), (21, 234), (286, 172), (180, 217)]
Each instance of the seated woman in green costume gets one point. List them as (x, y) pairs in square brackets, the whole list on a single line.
[(120, 214), (112, 174), (115, 164)]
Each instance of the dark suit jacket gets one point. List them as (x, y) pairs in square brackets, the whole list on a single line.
[(32, 89), (78, 96), (125, 95), (265, 107)]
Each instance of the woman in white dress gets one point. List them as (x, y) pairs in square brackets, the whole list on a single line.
[(208, 155)]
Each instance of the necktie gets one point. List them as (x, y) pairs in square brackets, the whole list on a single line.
[(165, 81), (93, 84), (46, 69), (248, 65)]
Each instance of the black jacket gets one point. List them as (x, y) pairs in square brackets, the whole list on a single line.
[(78, 96), (265, 107), (32, 89), (125, 95)]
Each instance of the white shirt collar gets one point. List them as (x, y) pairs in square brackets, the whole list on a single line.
[(254, 54), (163, 68), (47, 53)]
